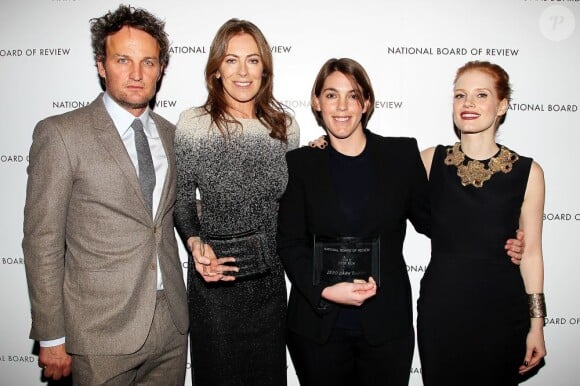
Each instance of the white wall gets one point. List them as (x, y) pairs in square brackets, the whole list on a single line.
[(47, 68)]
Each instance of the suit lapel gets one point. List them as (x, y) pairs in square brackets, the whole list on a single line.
[(109, 137), (166, 136)]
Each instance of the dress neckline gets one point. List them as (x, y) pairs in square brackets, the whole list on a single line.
[(476, 172), (485, 160)]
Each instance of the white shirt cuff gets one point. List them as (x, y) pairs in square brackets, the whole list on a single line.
[(52, 343)]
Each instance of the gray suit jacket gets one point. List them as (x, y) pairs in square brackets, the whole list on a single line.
[(90, 245)]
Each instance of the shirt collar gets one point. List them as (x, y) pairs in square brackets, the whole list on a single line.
[(124, 119)]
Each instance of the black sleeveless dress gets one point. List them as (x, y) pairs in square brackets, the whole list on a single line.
[(472, 311)]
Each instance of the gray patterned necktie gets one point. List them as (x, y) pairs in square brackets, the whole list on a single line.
[(146, 168)]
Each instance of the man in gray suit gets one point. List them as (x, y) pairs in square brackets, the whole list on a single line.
[(104, 276)]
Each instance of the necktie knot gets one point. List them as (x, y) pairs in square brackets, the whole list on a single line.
[(137, 125)]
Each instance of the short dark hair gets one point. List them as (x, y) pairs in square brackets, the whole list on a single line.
[(359, 78), (128, 16)]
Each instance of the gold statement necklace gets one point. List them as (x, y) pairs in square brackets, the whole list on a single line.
[(476, 172)]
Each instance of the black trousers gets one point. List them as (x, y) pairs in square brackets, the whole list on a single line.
[(348, 359)]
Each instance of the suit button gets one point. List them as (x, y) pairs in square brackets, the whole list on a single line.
[(153, 266), (154, 230)]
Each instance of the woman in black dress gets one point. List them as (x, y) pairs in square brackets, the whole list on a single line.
[(480, 318)]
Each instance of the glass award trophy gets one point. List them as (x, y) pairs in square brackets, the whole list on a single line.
[(345, 259)]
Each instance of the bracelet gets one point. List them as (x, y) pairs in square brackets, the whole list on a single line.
[(537, 305)]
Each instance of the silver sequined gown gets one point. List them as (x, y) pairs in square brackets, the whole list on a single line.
[(238, 328)]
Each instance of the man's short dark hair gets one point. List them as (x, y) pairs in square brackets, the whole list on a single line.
[(128, 16)]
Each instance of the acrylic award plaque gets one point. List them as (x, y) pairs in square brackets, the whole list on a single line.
[(344, 259)]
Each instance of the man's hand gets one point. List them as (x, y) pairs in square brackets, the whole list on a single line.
[(55, 361)]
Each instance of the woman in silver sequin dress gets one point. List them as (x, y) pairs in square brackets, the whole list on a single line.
[(232, 151)]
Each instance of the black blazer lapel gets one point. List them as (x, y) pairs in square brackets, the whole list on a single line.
[(326, 195), (377, 193)]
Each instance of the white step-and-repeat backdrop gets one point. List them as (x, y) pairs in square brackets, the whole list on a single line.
[(411, 50)]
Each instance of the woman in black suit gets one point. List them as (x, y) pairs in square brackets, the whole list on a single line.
[(362, 186)]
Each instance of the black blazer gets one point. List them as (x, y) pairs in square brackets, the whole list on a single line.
[(310, 206)]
